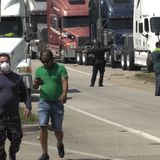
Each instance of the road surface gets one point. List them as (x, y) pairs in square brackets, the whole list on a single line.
[(114, 122)]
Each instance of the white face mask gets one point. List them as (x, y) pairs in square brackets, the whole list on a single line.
[(5, 67)]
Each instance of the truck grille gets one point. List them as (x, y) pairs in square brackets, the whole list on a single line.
[(82, 41)]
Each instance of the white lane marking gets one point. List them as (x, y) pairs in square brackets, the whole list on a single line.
[(130, 130), (89, 74), (67, 150)]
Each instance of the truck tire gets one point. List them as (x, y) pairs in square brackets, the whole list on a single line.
[(113, 62), (84, 58), (123, 62), (79, 58), (130, 61), (62, 56)]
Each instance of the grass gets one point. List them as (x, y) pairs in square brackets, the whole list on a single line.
[(30, 120), (148, 76)]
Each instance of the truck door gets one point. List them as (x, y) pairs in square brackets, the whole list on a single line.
[(54, 33), (144, 34), (144, 40)]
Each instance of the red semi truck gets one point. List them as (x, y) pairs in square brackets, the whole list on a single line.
[(68, 28)]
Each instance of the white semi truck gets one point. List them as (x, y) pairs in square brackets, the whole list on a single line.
[(140, 43), (13, 37), (38, 22)]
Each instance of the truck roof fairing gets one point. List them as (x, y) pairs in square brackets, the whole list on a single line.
[(12, 8), (69, 9)]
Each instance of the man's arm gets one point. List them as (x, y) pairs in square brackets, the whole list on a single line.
[(63, 97), (26, 97)]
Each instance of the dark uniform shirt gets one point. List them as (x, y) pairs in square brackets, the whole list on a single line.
[(98, 54), (12, 88), (156, 60)]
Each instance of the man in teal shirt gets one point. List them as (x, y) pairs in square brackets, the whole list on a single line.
[(156, 67), (52, 78)]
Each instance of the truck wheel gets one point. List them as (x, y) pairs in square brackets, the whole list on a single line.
[(79, 58), (130, 61), (113, 62), (123, 62), (84, 59), (62, 56)]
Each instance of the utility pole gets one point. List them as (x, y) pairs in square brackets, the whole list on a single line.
[(0, 10), (99, 22)]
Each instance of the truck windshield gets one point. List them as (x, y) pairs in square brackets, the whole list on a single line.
[(119, 24), (36, 19), (155, 24), (80, 21), (120, 1), (11, 27)]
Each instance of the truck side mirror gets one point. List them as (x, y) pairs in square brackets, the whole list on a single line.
[(28, 34)]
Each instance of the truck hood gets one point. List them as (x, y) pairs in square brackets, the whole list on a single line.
[(15, 48), (78, 31), (12, 7), (9, 44)]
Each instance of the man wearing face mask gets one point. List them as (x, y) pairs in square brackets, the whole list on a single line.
[(12, 89), (53, 81)]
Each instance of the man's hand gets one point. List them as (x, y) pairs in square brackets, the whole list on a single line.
[(37, 82), (63, 98), (27, 112)]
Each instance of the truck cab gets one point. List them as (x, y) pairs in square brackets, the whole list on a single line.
[(146, 29), (13, 38), (67, 27), (109, 21), (146, 23), (38, 22)]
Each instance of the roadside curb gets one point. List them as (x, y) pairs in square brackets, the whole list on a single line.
[(34, 127), (30, 127)]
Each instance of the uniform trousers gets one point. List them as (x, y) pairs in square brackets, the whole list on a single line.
[(157, 85), (98, 67), (10, 127)]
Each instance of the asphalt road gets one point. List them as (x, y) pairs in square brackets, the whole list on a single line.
[(114, 122)]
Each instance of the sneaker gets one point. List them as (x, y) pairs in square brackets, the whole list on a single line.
[(12, 157), (44, 156), (60, 149), (91, 85), (100, 85)]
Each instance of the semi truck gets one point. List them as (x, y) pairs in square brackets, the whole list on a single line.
[(68, 29), (109, 21), (38, 23), (14, 39), (146, 28)]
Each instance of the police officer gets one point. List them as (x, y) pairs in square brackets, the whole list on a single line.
[(12, 89), (98, 64), (156, 67)]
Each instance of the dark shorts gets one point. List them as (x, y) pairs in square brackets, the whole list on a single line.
[(53, 110)]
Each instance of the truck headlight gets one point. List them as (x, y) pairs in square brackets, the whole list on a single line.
[(24, 70)]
